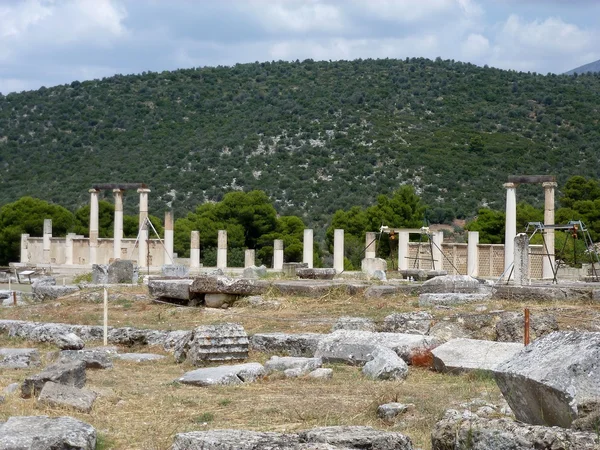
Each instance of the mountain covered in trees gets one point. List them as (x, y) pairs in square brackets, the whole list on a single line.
[(591, 67), (315, 136)]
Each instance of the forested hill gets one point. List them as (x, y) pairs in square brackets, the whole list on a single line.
[(316, 136)]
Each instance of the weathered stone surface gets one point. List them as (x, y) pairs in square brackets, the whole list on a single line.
[(462, 284), (357, 347), (510, 327), (254, 272), (465, 430), (45, 292), (175, 270), (71, 373), (176, 289), (316, 274), (258, 301), (385, 365), (542, 293), (11, 388), (413, 323), (234, 374), (446, 330), (44, 281), (69, 341), (383, 291), (94, 358), (56, 394), (550, 381), (7, 299), (121, 271), (421, 274), (357, 437), (321, 373), (464, 355), (19, 358), (138, 357), (208, 284), (280, 364), (304, 344), (389, 411), (99, 273), (219, 300), (224, 342), (234, 439), (451, 299), (354, 323), (45, 433), (289, 268), (378, 275)]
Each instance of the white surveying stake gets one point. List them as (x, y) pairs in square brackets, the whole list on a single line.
[(144, 226)]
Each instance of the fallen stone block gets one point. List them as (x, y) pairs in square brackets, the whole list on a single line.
[(71, 373), (321, 373), (386, 290), (258, 301), (446, 330), (175, 270), (56, 394), (289, 268), (302, 344), (389, 411), (510, 327), (224, 342), (44, 292), (465, 355), (422, 274), (465, 430), (555, 293), (94, 358), (354, 323), (234, 374), (208, 284), (234, 439), (463, 284), (357, 437), (122, 271), (138, 357), (358, 347), (170, 289), (99, 273), (412, 323), (385, 365), (451, 299), (254, 272), (19, 358), (69, 341), (45, 433), (303, 365), (550, 381), (315, 274), (219, 300)]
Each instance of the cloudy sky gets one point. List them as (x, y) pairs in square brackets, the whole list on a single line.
[(50, 42)]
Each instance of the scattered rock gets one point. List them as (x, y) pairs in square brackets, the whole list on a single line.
[(208, 284), (378, 275), (254, 272), (354, 323), (289, 268), (44, 292), (71, 373), (315, 274), (69, 341), (138, 357), (383, 290), (463, 284), (235, 374), (56, 394), (510, 327), (43, 281), (99, 273), (446, 330), (11, 388), (258, 301), (219, 300), (94, 358), (170, 289), (321, 374), (357, 437), (234, 439), (19, 358), (385, 365), (303, 365), (122, 271), (412, 323), (223, 342), (45, 433), (550, 381), (464, 355), (304, 344), (450, 299), (389, 411)]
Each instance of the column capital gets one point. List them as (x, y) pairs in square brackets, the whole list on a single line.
[(549, 184), (93, 191), (510, 185), (117, 191), (143, 190)]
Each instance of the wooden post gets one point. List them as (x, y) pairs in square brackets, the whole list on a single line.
[(105, 317), (14, 295), (526, 330)]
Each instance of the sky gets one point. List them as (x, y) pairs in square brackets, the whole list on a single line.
[(51, 42)]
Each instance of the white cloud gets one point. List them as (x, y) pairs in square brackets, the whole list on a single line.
[(409, 11), (475, 47), (297, 16)]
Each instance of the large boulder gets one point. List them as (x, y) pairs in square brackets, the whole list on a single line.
[(45, 433), (234, 374), (19, 358), (94, 358), (510, 327), (465, 355), (71, 373), (551, 381), (302, 344), (358, 347), (463, 284), (466, 430), (385, 365), (69, 341)]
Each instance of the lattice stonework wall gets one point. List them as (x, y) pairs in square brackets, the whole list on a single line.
[(536, 256), (457, 255)]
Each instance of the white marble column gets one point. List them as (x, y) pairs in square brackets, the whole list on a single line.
[(278, 254), (143, 228), (521, 258), (222, 250), (403, 250), (511, 225), (47, 240), (548, 263), (24, 248), (307, 251), (93, 226), (118, 225), (249, 258), (69, 249), (437, 238), (370, 245), (338, 250), (195, 250), (473, 254), (169, 237)]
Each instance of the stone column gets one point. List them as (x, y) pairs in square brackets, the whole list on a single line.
[(222, 250), (437, 238), (47, 236), (338, 250), (403, 250), (371, 245), (24, 248), (118, 225), (93, 226), (69, 249), (473, 254), (195, 250), (143, 228), (307, 254), (278, 254), (521, 258), (169, 238), (249, 258), (548, 263), (510, 226)]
